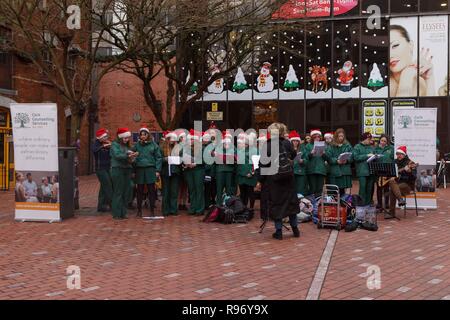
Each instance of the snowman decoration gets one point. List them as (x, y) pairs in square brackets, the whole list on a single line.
[(265, 79), (346, 76), (217, 86)]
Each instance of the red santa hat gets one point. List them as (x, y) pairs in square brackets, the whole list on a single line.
[(194, 135), (328, 135), (123, 133), (171, 136), (263, 137), (212, 125), (226, 137), (144, 128), (402, 150), (315, 132), (101, 133), (294, 136), (206, 136)]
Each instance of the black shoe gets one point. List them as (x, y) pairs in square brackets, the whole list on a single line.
[(402, 202), (296, 232), (278, 235), (139, 213)]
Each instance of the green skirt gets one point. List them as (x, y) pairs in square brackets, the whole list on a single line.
[(146, 175), (342, 182)]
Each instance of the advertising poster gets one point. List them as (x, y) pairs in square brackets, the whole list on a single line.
[(403, 57), (35, 134), (433, 38), (374, 117), (416, 129)]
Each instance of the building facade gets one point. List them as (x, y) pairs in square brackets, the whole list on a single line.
[(348, 69)]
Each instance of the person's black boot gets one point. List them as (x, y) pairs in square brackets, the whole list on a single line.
[(296, 232), (278, 235), (402, 202)]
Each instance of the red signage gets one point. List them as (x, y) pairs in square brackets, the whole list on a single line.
[(295, 9)]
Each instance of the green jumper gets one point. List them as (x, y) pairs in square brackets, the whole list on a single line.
[(316, 170), (121, 170), (366, 181), (148, 162), (339, 174), (301, 179), (195, 178)]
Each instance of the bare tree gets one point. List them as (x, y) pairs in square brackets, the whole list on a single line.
[(62, 39), (191, 43)]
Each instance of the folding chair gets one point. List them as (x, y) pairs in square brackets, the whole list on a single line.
[(412, 192)]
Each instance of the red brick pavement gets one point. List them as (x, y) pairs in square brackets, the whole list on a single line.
[(181, 258)]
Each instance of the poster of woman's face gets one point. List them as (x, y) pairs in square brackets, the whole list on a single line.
[(403, 57), (417, 60)]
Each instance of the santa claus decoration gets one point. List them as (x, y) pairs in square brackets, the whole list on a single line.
[(265, 79), (345, 78)]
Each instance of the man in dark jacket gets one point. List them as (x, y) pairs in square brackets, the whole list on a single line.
[(405, 183), (282, 197), (102, 158)]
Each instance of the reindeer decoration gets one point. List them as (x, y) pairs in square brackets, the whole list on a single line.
[(319, 74)]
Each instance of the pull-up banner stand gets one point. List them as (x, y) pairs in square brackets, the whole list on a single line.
[(416, 128), (35, 134)]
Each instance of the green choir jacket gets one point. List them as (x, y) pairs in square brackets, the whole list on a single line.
[(387, 152), (360, 155), (246, 168), (119, 155), (149, 155), (300, 169), (333, 153), (316, 165)]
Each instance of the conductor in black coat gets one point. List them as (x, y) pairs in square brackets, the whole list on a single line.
[(282, 197)]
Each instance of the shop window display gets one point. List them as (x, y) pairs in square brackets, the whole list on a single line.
[(374, 64), (404, 6), (318, 57), (346, 115), (239, 114), (265, 67), (433, 61), (434, 5), (346, 59), (382, 4), (292, 62)]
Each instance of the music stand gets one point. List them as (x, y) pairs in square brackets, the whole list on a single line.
[(387, 170)]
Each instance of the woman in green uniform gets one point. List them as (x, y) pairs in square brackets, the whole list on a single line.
[(245, 174), (170, 174), (210, 186), (121, 159), (386, 150), (225, 167), (340, 172), (361, 153), (300, 162), (316, 169), (148, 168), (194, 172)]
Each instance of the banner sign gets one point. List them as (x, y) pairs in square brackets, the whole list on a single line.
[(295, 9), (416, 129), (374, 117), (35, 134)]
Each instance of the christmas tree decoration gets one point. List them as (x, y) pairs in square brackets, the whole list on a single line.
[(345, 78), (375, 79), (217, 86), (194, 86), (239, 84), (291, 81), (265, 79)]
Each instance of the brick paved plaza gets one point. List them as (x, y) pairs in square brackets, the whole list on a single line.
[(181, 258)]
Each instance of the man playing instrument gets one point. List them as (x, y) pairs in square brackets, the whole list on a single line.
[(404, 183)]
